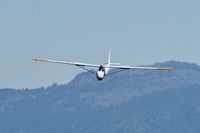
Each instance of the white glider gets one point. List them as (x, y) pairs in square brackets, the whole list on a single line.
[(103, 69)]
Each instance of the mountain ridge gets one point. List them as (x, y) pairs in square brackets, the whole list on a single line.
[(130, 101)]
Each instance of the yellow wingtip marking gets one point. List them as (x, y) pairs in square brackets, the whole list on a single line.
[(40, 60), (166, 69)]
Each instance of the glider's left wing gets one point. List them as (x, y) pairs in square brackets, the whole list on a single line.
[(142, 68), (68, 63)]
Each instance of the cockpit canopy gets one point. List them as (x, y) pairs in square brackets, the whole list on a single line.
[(101, 68)]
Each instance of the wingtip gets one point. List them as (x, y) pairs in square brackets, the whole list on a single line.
[(42, 60), (166, 69), (34, 59)]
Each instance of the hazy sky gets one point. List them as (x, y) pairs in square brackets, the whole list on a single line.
[(137, 32)]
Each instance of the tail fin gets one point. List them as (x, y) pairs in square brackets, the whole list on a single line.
[(109, 56)]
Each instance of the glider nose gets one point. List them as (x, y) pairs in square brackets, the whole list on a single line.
[(100, 75)]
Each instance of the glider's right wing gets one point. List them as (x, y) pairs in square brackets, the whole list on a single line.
[(67, 63), (142, 68)]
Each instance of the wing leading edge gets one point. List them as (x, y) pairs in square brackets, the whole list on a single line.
[(142, 68), (68, 63)]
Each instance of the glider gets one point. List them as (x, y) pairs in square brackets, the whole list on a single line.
[(104, 68)]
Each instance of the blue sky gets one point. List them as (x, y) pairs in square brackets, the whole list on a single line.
[(137, 32)]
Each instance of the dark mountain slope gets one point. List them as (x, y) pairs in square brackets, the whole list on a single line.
[(131, 101)]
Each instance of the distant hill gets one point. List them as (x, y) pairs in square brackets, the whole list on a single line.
[(131, 101)]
